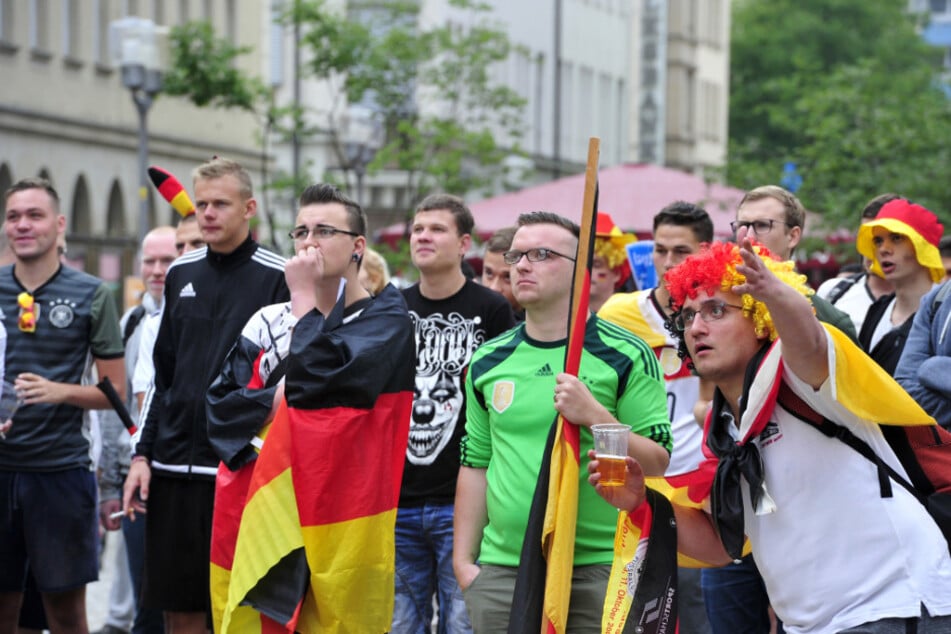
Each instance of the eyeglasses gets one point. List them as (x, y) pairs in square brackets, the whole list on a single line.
[(759, 227), (533, 255), (321, 232), (710, 310), (28, 312)]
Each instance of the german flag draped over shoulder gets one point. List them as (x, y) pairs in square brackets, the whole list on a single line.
[(543, 586), (315, 549)]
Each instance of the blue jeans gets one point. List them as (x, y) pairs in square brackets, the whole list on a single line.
[(736, 599), (424, 567), (147, 620)]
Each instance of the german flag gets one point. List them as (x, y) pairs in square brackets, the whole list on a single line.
[(172, 190), (547, 558), (314, 549)]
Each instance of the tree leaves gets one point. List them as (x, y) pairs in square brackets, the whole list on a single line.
[(847, 90)]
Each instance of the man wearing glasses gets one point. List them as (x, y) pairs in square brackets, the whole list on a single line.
[(453, 316), (343, 361), (514, 389), (776, 219), (735, 595), (838, 552), (209, 295)]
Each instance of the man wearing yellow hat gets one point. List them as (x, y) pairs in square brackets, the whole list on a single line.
[(902, 242), (610, 269)]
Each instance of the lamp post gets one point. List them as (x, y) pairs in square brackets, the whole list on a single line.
[(362, 137), (135, 49)]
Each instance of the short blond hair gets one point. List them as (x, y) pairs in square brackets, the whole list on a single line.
[(377, 270), (219, 167)]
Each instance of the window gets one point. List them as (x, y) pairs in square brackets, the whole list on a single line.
[(231, 21), (71, 45), (100, 33), (567, 109), (605, 104), (938, 6), (585, 111), (276, 47), (6, 21), (39, 25)]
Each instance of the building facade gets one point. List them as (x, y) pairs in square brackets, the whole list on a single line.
[(649, 77), (65, 115)]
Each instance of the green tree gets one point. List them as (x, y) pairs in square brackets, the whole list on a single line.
[(379, 56), (203, 70), (848, 90)]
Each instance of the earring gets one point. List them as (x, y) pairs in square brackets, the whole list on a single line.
[(355, 257)]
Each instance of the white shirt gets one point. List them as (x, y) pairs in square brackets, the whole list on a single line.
[(835, 554)]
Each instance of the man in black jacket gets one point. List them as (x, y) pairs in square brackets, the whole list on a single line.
[(210, 294)]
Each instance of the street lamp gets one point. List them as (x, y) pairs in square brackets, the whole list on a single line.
[(363, 133), (134, 43)]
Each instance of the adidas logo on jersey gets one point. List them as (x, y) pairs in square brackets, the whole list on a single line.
[(188, 291), (545, 370)]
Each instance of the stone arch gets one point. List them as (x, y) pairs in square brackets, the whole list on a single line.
[(115, 212), (6, 178), (80, 216)]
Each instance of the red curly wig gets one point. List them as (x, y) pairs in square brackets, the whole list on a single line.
[(713, 269)]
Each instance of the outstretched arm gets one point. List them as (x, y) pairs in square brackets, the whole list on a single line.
[(792, 315)]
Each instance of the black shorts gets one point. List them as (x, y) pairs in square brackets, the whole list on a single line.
[(48, 523), (178, 544)]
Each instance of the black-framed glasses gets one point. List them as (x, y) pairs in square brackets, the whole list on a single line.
[(758, 227), (533, 255), (710, 310), (321, 232)]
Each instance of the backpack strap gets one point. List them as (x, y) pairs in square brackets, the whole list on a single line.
[(840, 288), (132, 322), (791, 402)]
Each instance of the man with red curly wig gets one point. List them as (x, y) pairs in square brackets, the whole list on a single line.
[(836, 556)]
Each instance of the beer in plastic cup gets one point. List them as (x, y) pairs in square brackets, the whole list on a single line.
[(610, 447)]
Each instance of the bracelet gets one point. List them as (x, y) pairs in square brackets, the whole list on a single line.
[(139, 458)]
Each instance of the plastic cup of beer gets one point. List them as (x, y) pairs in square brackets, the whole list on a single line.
[(610, 447)]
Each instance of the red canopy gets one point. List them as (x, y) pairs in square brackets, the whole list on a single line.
[(631, 193)]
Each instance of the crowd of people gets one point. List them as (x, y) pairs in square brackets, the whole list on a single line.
[(317, 450)]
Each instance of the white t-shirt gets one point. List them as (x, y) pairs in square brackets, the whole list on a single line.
[(835, 554), (855, 301)]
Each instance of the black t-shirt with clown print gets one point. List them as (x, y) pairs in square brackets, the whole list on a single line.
[(447, 333)]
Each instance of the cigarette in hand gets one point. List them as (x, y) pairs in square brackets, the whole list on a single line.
[(118, 514)]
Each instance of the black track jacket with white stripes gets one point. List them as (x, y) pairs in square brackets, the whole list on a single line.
[(209, 298)]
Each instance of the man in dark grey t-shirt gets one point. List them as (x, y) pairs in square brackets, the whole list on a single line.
[(56, 319)]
